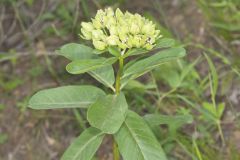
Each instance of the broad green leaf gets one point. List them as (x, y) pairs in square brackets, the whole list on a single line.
[(134, 84), (154, 60), (172, 121), (108, 113), (214, 76), (74, 51), (65, 97), (85, 146), (105, 75), (164, 43), (135, 51), (147, 64), (85, 65), (136, 140)]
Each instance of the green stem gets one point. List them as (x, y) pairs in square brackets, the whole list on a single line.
[(220, 132), (199, 155), (164, 95), (116, 155), (119, 74)]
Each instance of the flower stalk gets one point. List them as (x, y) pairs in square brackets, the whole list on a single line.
[(116, 155), (119, 74)]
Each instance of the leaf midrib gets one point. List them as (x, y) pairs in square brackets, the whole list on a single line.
[(97, 65), (72, 103), (132, 72), (102, 79), (131, 132), (90, 140)]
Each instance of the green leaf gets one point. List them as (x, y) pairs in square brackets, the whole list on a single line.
[(65, 97), (135, 51), (169, 74), (154, 61), (210, 111), (174, 122), (108, 113), (220, 109), (85, 146), (85, 65), (147, 64), (134, 84), (114, 51), (164, 43), (214, 76), (105, 75), (188, 69), (74, 51), (136, 141)]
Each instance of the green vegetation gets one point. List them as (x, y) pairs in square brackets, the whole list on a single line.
[(188, 105)]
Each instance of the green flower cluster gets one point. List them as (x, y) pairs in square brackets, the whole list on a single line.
[(124, 30)]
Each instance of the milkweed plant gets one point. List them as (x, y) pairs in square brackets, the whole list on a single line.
[(116, 36)]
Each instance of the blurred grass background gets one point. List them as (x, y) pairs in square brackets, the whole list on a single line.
[(31, 31)]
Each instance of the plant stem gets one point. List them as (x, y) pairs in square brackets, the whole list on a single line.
[(119, 74), (199, 155), (116, 155), (164, 95), (220, 131)]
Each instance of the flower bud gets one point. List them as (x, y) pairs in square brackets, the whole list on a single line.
[(148, 46), (87, 26), (136, 41), (156, 33), (97, 24), (123, 30), (130, 42), (98, 34), (122, 44), (112, 40), (109, 22), (85, 34), (143, 40), (128, 15), (123, 37), (134, 29), (113, 30), (148, 29), (100, 14), (109, 12), (100, 45), (118, 13)]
